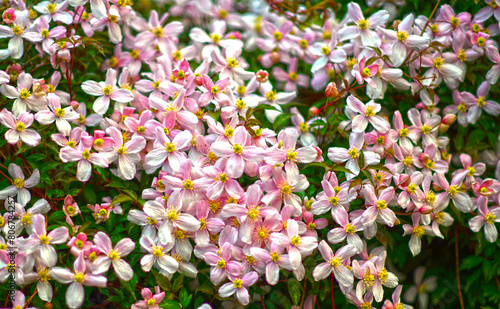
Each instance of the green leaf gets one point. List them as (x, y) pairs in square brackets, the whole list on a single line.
[(204, 288), (121, 198), (130, 285), (361, 160), (379, 167), (185, 298), (116, 184), (170, 304), (36, 157), (294, 288), (320, 164), (89, 195), (341, 168), (280, 121), (162, 281), (471, 262), (177, 285)]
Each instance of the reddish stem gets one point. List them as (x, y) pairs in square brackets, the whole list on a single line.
[(331, 291)]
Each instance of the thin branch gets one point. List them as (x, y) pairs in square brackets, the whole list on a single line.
[(458, 273)]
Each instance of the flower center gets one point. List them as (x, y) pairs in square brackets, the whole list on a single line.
[(353, 152), (366, 73), (79, 277), (221, 264), (381, 204), (303, 43), (51, 8), (480, 102), (19, 183), (336, 262), (295, 240), (232, 63), (438, 62), (369, 110), (113, 18), (490, 218), (412, 188), (188, 184), (275, 256), (293, 76), (172, 215), (462, 56), (238, 283), (151, 302), (334, 200), (430, 197), (108, 90), (43, 274), (304, 127), (403, 132), (122, 150), (158, 251), (363, 24), (425, 129), (215, 38), (44, 239), (45, 33), (114, 255), (381, 140), (79, 243), (20, 127), (368, 279), (26, 218), (271, 95), (453, 190), (350, 228), (402, 35), (408, 161), (326, 50), (278, 35), (24, 94)]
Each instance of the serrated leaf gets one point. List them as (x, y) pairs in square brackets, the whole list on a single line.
[(280, 121), (170, 304), (162, 281), (177, 283), (294, 288), (121, 198), (184, 297)]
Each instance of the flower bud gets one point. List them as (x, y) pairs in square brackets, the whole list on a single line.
[(423, 157), (314, 111), (426, 209), (9, 16), (48, 305), (74, 104), (197, 80), (262, 76), (395, 24), (443, 128), (436, 187), (449, 119), (275, 57), (331, 90)]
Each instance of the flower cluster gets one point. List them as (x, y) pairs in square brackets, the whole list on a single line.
[(181, 108)]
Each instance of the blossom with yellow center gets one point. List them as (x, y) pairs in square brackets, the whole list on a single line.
[(79, 277)]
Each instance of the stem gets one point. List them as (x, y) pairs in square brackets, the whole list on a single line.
[(331, 291), (262, 300), (498, 282), (458, 273), (303, 294)]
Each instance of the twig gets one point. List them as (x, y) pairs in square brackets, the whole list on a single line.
[(331, 291), (458, 273), (303, 294), (262, 300), (498, 282)]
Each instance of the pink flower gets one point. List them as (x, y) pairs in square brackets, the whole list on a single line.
[(327, 52), (239, 286), (168, 151), (41, 243), (79, 244), (56, 11), (127, 154), (60, 115), (105, 91), (298, 246), (18, 128), (25, 100), (75, 294), (494, 72), (487, 218), (274, 260), (222, 264), (113, 256), (9, 16), (241, 156), (214, 91), (85, 158), (396, 300), (335, 263), (421, 288), (417, 231), (460, 199), (479, 103), (157, 255), (346, 230), (150, 301), (351, 155), (172, 218), (20, 185), (377, 207), (363, 26), (367, 113)]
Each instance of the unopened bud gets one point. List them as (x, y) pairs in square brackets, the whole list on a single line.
[(443, 128), (74, 104), (275, 57), (423, 158), (197, 81), (314, 111), (436, 187), (449, 119), (48, 305), (331, 90), (395, 24), (262, 76), (426, 209)]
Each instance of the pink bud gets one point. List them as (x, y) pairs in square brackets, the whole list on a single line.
[(198, 80), (9, 16), (426, 209), (275, 57), (423, 157), (262, 76), (331, 90), (449, 119), (314, 111), (74, 104), (443, 128)]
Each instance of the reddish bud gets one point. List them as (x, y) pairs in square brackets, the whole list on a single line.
[(443, 128), (426, 209), (449, 119), (48, 305), (423, 157), (74, 104), (275, 57), (262, 76), (331, 90), (197, 81), (314, 111), (9, 16)]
